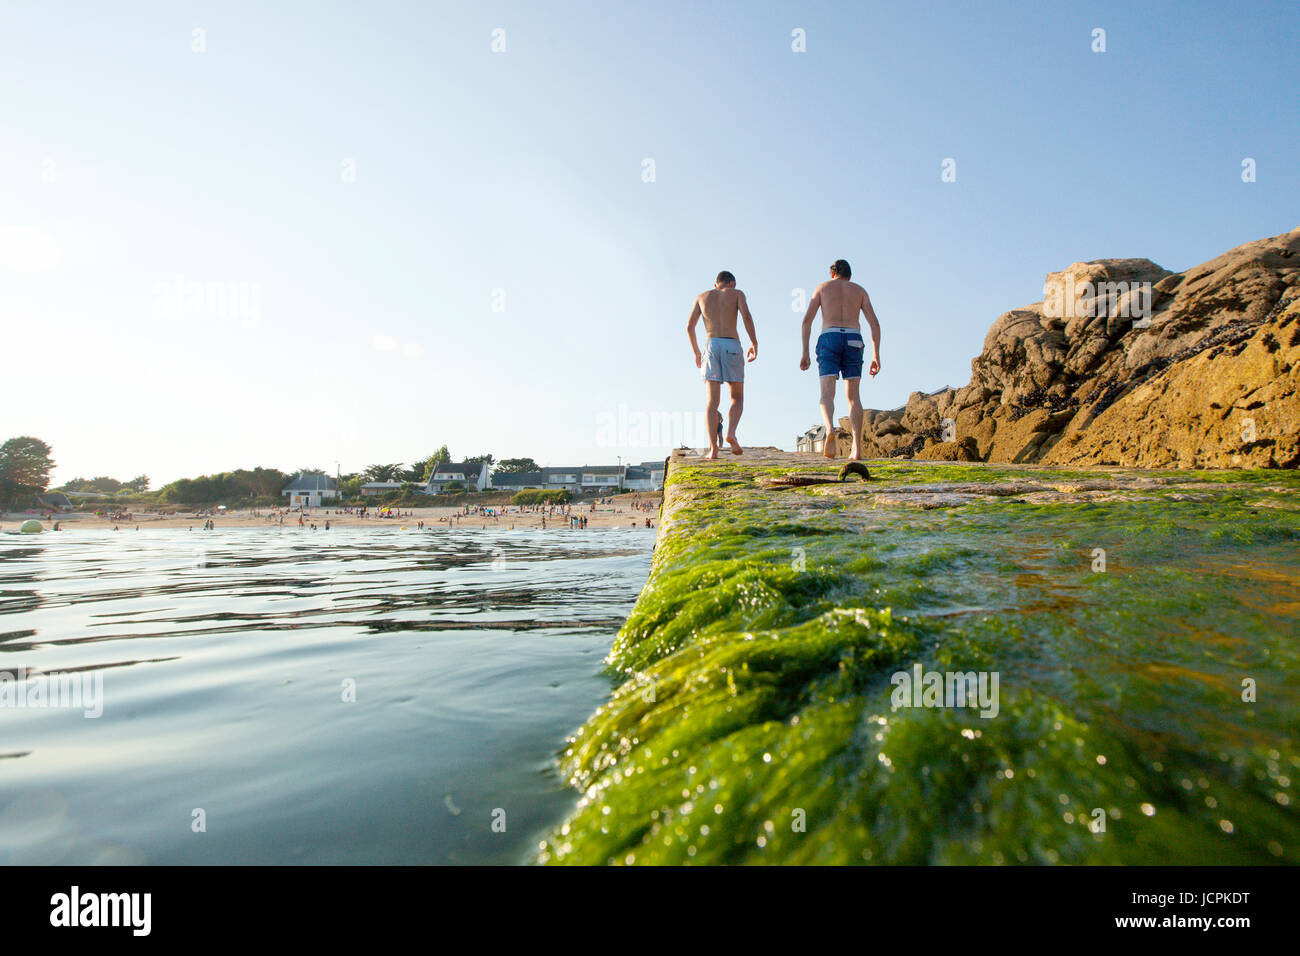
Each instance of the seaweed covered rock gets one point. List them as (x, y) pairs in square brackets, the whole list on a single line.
[(769, 706)]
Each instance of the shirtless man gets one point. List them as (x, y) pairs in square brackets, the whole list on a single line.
[(840, 348), (722, 360)]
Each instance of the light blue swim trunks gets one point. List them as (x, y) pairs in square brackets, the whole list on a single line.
[(724, 361)]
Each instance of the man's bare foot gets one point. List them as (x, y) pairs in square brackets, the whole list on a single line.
[(856, 455), (713, 452), (828, 450), (735, 445)]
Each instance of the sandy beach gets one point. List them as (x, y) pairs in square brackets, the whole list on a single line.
[(621, 511)]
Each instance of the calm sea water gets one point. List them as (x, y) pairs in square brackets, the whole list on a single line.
[(227, 661)]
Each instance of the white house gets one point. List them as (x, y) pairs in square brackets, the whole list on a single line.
[(601, 477), (310, 491), (383, 487), (813, 440), (518, 480), (591, 478), (474, 475), (647, 476), (566, 479)]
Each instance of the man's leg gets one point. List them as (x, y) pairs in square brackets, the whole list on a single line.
[(733, 415), (712, 417), (851, 392), (828, 413)]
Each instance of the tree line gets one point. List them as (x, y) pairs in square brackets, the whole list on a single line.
[(26, 463), (421, 469)]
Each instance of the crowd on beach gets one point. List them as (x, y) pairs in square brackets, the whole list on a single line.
[(572, 515), (600, 512)]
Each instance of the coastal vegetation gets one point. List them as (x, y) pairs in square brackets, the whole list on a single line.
[(514, 466), (25, 466), (26, 463), (540, 496)]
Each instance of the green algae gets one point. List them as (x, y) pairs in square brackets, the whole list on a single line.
[(755, 719)]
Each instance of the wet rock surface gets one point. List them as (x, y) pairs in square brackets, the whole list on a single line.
[(1138, 627)]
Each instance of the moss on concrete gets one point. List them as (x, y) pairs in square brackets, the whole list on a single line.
[(754, 720)]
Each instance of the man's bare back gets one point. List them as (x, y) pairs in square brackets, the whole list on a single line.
[(719, 308), (842, 302)]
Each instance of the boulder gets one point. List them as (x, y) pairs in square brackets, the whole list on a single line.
[(1198, 369), (964, 450)]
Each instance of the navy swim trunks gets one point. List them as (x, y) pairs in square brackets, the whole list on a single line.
[(840, 352)]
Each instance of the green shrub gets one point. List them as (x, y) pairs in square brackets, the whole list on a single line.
[(539, 496)]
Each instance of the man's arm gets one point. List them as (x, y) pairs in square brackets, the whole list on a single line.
[(870, 315), (806, 329), (690, 332), (748, 319)]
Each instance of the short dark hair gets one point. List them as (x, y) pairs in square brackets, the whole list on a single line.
[(725, 276), (840, 267)]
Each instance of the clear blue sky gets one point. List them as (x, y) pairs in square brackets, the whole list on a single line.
[(128, 159)]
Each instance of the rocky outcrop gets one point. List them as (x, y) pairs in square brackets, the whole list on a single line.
[(1126, 363)]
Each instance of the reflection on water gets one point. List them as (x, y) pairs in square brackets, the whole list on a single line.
[(363, 695)]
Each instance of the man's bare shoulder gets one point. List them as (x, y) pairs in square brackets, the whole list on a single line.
[(861, 291)]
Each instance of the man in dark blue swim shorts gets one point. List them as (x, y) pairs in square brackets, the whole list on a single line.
[(840, 349)]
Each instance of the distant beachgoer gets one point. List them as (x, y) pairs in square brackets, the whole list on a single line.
[(722, 359), (840, 349)]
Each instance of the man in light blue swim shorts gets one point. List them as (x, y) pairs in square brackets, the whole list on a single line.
[(840, 349), (722, 359)]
